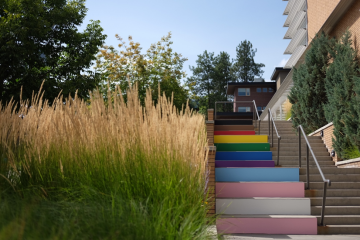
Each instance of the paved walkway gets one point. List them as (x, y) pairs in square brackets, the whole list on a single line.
[(295, 237), (213, 232)]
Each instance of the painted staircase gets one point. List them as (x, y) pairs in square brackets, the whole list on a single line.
[(252, 195), (342, 211)]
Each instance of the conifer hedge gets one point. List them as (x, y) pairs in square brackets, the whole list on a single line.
[(327, 89), (308, 94)]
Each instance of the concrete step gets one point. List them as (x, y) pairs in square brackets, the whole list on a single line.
[(296, 144), (327, 170), (287, 136), (339, 229), (284, 147), (340, 219), (336, 210), (318, 153), (336, 201), (303, 158), (295, 163), (332, 193), (296, 140), (333, 178), (336, 185)]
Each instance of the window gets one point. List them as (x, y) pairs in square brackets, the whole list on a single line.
[(243, 109), (258, 90), (243, 91), (259, 108), (264, 89), (271, 90)]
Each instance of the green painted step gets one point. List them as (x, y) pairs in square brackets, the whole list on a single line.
[(242, 146)]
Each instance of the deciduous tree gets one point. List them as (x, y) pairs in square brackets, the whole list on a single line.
[(39, 39), (158, 66)]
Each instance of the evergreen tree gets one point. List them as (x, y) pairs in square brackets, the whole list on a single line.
[(308, 94), (341, 77), (201, 83), (245, 68), (209, 79)]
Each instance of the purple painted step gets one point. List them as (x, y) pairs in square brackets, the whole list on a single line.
[(252, 163)]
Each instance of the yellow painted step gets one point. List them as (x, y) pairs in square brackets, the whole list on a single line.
[(240, 139)]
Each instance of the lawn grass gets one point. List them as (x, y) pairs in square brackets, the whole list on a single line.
[(118, 172)]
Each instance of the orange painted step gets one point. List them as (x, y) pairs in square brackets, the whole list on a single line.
[(234, 132)]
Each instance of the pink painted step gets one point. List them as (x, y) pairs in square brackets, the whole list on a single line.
[(268, 224), (260, 189), (234, 132)]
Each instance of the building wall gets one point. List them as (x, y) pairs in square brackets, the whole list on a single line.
[(351, 20), (327, 139), (281, 77), (261, 98), (317, 12)]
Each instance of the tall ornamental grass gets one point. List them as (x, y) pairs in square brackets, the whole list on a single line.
[(102, 171)]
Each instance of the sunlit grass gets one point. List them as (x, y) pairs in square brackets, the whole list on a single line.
[(118, 172)]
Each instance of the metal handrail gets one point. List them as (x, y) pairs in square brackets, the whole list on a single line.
[(254, 116), (326, 181), (272, 135)]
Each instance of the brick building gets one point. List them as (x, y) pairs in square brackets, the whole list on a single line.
[(306, 18), (260, 91)]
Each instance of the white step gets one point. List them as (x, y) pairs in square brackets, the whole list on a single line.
[(270, 206)]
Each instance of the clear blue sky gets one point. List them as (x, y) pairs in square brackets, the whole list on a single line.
[(198, 25)]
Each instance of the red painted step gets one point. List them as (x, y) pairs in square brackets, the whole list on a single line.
[(234, 132)]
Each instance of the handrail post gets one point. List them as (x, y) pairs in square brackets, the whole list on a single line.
[(278, 150), (299, 132), (323, 205), (272, 135), (307, 167), (259, 125), (269, 121), (215, 111)]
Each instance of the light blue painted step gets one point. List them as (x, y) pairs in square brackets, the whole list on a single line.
[(257, 174), (243, 156)]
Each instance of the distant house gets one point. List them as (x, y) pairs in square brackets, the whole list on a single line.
[(259, 90)]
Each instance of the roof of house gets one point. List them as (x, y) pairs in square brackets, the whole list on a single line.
[(277, 71), (232, 85)]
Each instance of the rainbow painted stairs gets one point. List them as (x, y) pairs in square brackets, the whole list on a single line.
[(252, 195)]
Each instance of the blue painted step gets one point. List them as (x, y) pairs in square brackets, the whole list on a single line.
[(256, 174), (243, 156)]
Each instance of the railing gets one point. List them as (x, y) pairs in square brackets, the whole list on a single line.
[(326, 181), (255, 111), (271, 119)]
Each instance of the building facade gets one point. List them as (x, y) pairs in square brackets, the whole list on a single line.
[(306, 18), (261, 92)]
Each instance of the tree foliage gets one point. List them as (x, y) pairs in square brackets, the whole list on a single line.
[(158, 66), (210, 76), (245, 68), (39, 39), (308, 94), (342, 87)]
